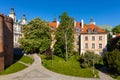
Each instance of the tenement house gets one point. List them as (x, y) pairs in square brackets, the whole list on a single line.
[(89, 37)]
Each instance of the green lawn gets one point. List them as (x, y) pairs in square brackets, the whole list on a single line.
[(13, 68), (27, 60), (17, 66), (72, 67)]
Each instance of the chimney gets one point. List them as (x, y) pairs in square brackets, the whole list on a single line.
[(57, 24), (74, 23), (82, 23)]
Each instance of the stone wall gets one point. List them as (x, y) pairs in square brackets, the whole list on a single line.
[(6, 41)]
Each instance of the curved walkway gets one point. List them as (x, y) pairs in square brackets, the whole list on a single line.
[(37, 72)]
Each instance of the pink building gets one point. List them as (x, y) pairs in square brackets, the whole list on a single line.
[(90, 38)]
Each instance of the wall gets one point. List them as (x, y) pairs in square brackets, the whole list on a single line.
[(97, 50), (6, 41)]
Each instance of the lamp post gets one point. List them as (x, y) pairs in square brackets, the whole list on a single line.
[(93, 66), (66, 46)]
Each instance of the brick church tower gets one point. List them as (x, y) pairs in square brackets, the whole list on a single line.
[(6, 41)]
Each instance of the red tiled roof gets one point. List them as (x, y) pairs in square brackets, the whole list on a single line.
[(85, 29), (92, 27), (53, 25)]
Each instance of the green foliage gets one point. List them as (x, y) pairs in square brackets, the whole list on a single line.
[(116, 29), (112, 61), (72, 67), (37, 36), (89, 58), (113, 44), (64, 34)]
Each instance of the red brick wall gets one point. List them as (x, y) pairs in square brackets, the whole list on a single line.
[(6, 41)]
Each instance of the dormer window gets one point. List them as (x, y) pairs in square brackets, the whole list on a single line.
[(95, 30), (77, 30), (89, 30)]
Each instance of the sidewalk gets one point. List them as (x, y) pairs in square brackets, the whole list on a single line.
[(37, 72)]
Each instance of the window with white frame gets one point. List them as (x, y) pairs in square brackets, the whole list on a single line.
[(100, 45), (100, 38), (86, 38), (93, 45), (93, 38), (95, 30), (86, 45), (89, 30)]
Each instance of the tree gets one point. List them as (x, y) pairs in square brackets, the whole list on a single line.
[(88, 59), (64, 36), (37, 36), (113, 44), (112, 61), (116, 29)]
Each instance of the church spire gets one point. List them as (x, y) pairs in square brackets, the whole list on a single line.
[(12, 11), (92, 21), (24, 16), (12, 14)]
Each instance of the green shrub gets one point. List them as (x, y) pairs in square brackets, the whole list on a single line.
[(89, 59)]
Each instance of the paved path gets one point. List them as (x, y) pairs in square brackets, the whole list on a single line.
[(37, 72)]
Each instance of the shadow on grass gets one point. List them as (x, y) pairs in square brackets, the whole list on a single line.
[(18, 53), (101, 68)]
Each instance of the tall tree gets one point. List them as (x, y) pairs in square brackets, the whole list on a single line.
[(37, 36), (116, 29), (64, 36)]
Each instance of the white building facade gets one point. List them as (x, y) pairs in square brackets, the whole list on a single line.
[(17, 27)]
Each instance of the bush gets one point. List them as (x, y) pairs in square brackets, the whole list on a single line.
[(89, 58), (112, 61)]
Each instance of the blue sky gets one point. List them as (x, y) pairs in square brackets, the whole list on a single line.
[(103, 11)]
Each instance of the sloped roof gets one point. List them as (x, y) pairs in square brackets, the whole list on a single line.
[(53, 25), (92, 27)]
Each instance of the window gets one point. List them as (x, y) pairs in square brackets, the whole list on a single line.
[(100, 45), (86, 38), (86, 45), (93, 45), (89, 30), (77, 30), (100, 38), (95, 30), (93, 38)]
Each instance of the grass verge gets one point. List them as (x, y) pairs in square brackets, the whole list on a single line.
[(72, 67), (27, 60), (13, 68), (17, 66)]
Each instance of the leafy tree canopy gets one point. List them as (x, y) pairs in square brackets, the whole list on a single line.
[(37, 37), (116, 29), (113, 44), (64, 34)]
